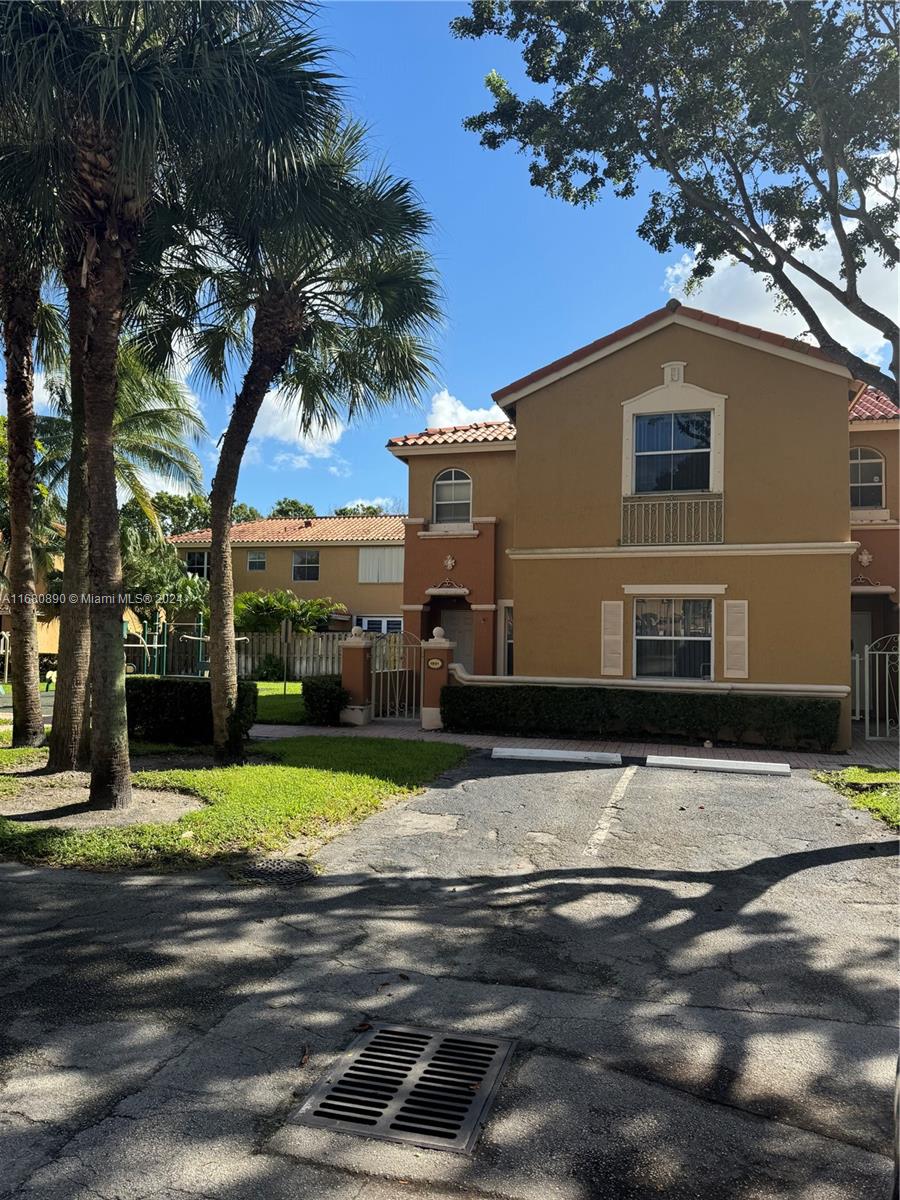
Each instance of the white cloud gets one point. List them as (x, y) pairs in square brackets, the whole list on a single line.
[(447, 410), (390, 504), (296, 462), (341, 469), (734, 291), (279, 422), (41, 393)]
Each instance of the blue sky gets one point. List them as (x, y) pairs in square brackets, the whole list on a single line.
[(525, 278)]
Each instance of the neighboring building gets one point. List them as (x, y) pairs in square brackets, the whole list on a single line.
[(668, 504), (458, 573), (874, 515), (357, 561)]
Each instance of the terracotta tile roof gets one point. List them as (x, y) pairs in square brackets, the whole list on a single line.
[(316, 530), (455, 435), (660, 314), (869, 404)]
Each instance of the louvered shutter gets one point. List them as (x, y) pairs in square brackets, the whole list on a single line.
[(612, 626), (736, 640)]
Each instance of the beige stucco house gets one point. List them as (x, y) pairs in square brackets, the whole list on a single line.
[(667, 506), (357, 561)]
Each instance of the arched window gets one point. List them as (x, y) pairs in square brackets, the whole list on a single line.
[(452, 498), (866, 478)]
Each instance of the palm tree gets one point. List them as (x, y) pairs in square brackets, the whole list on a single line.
[(153, 420), (343, 297), (28, 327), (20, 290), (123, 101)]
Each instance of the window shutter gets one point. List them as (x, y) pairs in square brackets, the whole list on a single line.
[(612, 624), (736, 636)]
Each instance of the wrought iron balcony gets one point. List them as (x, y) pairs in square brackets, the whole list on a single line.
[(673, 519)]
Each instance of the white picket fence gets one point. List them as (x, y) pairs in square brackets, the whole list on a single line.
[(305, 654)]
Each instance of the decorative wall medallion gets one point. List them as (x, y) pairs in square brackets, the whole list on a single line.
[(865, 557), (449, 562), (434, 664)]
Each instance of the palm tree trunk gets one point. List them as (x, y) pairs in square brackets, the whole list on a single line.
[(69, 737), (110, 766), (274, 337), (20, 299)]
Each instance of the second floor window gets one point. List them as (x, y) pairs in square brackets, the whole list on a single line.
[(866, 478), (452, 498), (256, 560), (197, 563), (305, 566), (672, 452), (380, 564)]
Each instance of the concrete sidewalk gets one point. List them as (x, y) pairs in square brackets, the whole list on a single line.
[(863, 753), (699, 970)]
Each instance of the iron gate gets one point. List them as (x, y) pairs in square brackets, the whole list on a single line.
[(880, 688), (397, 663)]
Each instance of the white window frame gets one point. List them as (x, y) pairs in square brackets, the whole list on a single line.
[(202, 574), (295, 565), (673, 595), (257, 555), (669, 453), (672, 396), (378, 564), (874, 456), (436, 523), (367, 619)]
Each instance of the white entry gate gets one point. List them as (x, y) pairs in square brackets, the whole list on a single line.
[(880, 692), (397, 663)]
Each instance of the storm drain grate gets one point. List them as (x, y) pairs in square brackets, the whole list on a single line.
[(403, 1084), (282, 872)]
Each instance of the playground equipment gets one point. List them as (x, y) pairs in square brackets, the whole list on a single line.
[(203, 639), (162, 649)]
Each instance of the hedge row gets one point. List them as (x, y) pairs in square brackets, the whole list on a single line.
[(323, 699), (573, 712), (178, 708)]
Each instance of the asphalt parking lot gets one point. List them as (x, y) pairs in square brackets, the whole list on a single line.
[(699, 970)]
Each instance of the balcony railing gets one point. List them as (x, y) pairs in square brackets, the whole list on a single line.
[(672, 520)]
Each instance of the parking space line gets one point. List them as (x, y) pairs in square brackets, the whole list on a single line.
[(603, 826)]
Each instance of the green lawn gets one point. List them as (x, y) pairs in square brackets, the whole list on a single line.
[(274, 708), (878, 791), (317, 783)]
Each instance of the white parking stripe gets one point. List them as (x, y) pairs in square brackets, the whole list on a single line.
[(603, 826)]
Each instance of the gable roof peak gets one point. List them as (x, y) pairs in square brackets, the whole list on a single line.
[(672, 311)]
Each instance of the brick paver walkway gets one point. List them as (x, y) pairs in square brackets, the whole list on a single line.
[(863, 753)]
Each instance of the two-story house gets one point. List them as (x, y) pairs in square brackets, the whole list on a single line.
[(874, 515), (357, 561), (666, 506)]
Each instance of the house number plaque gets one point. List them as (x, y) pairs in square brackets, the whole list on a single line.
[(435, 663)]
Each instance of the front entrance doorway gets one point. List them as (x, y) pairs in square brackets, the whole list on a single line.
[(458, 627), (860, 631)]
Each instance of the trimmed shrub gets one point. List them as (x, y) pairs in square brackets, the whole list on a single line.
[(178, 708), (270, 668), (581, 712), (324, 697)]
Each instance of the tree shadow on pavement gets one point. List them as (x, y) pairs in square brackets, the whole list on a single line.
[(714, 1045)]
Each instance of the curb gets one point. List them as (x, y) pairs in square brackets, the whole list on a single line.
[(583, 756), (672, 762)]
